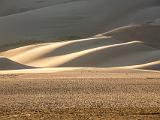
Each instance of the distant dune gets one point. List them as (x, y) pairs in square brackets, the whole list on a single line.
[(147, 33), (80, 33), (93, 52), (55, 21), (148, 66), (8, 7)]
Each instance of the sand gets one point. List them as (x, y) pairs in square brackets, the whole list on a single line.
[(47, 34), (91, 52), (79, 59), (84, 93), (55, 21)]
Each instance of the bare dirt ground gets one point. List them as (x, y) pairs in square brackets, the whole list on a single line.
[(90, 94)]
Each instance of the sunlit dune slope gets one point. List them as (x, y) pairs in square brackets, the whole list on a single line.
[(91, 52), (80, 33), (6, 64), (148, 66), (147, 33)]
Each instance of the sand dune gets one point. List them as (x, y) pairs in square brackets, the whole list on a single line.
[(79, 59), (6, 64), (68, 20), (150, 66), (147, 33), (80, 33), (135, 46), (8, 7), (92, 52)]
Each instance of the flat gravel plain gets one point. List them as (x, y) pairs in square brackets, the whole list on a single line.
[(92, 94)]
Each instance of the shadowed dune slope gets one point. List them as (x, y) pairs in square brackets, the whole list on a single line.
[(80, 33), (92, 52), (8, 7), (7, 64), (148, 66), (31, 21), (147, 33)]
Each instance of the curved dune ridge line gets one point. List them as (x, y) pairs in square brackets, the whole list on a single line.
[(125, 38), (91, 52), (19, 6), (150, 66), (67, 19), (147, 33), (7, 64)]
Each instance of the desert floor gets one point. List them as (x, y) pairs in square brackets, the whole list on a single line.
[(79, 59), (80, 94)]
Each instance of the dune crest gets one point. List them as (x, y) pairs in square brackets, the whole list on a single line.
[(54, 20), (91, 52), (7, 64), (80, 33), (147, 33)]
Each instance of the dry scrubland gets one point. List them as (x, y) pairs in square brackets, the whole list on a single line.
[(79, 59), (81, 94)]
